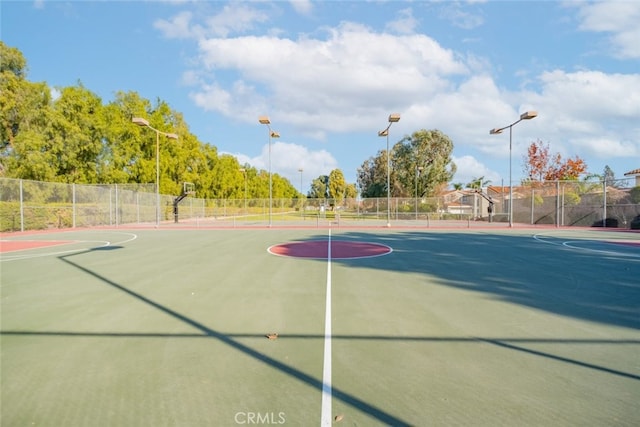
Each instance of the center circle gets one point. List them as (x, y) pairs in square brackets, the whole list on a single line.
[(340, 249)]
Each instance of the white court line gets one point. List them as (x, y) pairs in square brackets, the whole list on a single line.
[(325, 420), (574, 244), (104, 243)]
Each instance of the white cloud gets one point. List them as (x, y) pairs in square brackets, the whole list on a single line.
[(469, 169), (179, 27), (344, 82), (590, 112), (288, 158), (619, 18), (303, 7), (461, 18), (234, 18), (55, 93), (405, 23), (606, 146), (349, 78)]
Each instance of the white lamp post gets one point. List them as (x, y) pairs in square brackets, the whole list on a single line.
[(264, 120), (145, 123), (418, 170), (527, 115), (244, 172), (301, 195), (393, 118)]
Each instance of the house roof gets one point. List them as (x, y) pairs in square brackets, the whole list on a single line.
[(634, 172), (498, 190)]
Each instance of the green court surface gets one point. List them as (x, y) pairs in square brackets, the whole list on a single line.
[(168, 327)]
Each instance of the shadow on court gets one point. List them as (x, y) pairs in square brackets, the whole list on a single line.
[(227, 339), (598, 285), (508, 343)]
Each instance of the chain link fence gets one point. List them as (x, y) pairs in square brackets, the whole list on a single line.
[(32, 205)]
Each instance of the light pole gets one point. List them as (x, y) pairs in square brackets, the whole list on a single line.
[(301, 195), (244, 172), (393, 118), (264, 120), (418, 170), (527, 115), (145, 123)]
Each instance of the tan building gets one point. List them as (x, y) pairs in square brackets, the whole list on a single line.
[(636, 173)]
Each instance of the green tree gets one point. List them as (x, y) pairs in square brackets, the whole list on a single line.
[(372, 176), (282, 188), (227, 182), (422, 159), (24, 108), (351, 192), (609, 176), (478, 183), (75, 135), (337, 185), (319, 188), (77, 138)]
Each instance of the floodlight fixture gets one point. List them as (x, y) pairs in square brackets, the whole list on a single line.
[(527, 115), (145, 123), (393, 118), (140, 121), (264, 120)]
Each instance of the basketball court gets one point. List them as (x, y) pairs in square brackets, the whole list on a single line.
[(320, 326)]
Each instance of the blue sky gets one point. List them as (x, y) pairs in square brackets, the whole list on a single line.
[(329, 73)]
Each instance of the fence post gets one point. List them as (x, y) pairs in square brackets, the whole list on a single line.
[(557, 203), (533, 198), (604, 203), (73, 205), (117, 219), (562, 207), (21, 207)]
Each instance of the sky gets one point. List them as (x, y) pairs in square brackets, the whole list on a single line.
[(329, 73)]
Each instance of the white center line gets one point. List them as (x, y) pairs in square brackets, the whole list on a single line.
[(326, 371)]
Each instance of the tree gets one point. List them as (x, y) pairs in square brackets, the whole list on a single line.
[(75, 135), (478, 183), (337, 185), (422, 159), (76, 138), (351, 192), (372, 176), (24, 107), (319, 188), (540, 165), (609, 177)]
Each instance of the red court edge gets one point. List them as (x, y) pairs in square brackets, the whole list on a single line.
[(20, 245), (339, 249)]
